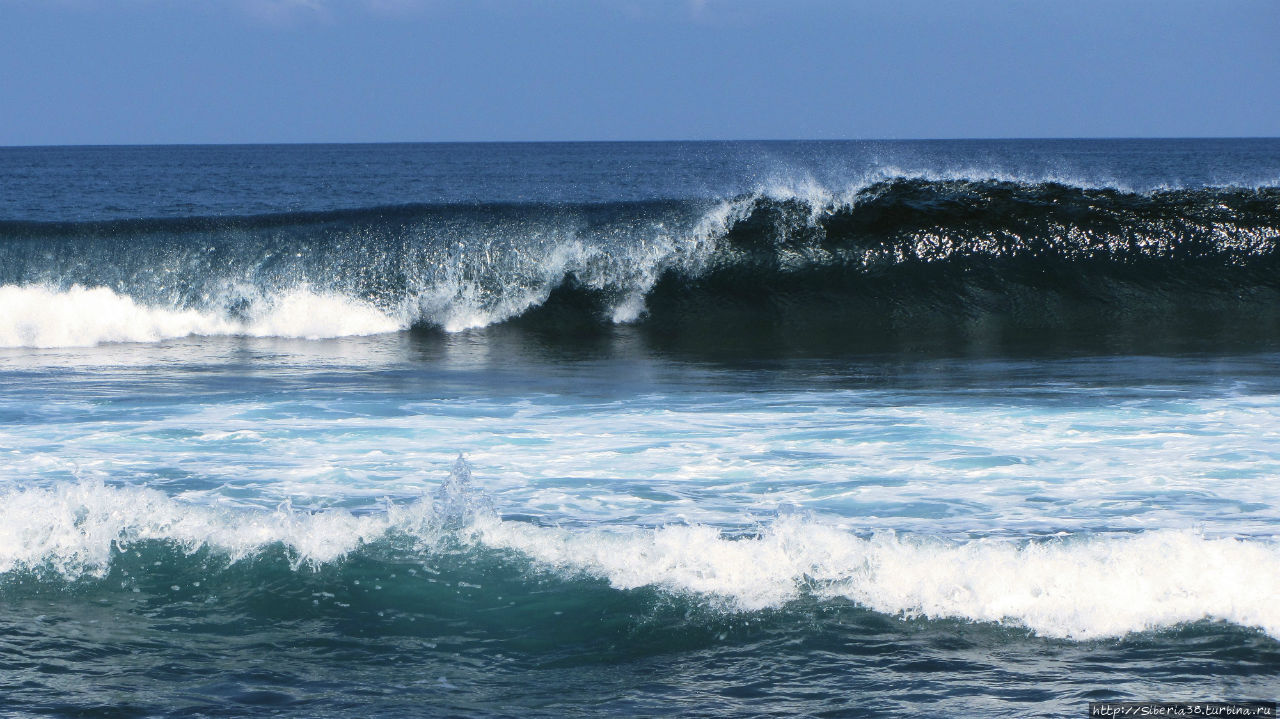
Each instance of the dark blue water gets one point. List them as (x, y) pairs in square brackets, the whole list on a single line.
[(94, 183), (818, 429)]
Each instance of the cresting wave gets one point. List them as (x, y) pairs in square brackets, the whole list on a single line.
[(1077, 587), (907, 254)]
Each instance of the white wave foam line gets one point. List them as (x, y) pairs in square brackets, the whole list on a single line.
[(38, 316), (74, 528), (1081, 587), (308, 315)]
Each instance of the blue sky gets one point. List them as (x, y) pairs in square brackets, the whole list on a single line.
[(165, 71)]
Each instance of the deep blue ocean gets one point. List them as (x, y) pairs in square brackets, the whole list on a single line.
[(952, 428)]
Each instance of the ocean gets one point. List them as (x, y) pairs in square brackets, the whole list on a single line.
[(865, 429)]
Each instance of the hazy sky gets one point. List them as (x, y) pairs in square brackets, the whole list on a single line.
[(160, 71)]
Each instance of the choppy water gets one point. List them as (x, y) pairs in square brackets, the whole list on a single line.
[(747, 429)]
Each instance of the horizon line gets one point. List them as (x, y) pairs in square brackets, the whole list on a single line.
[(1020, 138)]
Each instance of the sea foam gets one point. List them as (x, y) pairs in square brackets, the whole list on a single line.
[(1078, 587), (39, 316), (1082, 587)]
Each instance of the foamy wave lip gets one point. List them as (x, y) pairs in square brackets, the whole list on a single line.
[(38, 316), (73, 529), (1081, 587), (309, 315)]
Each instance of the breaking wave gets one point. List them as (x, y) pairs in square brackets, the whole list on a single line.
[(79, 316), (1077, 587), (907, 254)]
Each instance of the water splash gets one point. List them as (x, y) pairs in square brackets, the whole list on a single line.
[(456, 503)]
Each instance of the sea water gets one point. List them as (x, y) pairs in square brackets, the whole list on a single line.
[(719, 429)]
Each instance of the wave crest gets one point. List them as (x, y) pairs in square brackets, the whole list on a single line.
[(890, 254), (1078, 587)]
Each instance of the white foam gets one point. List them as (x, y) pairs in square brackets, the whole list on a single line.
[(73, 528), (309, 315), (35, 316), (1080, 587), (40, 316)]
